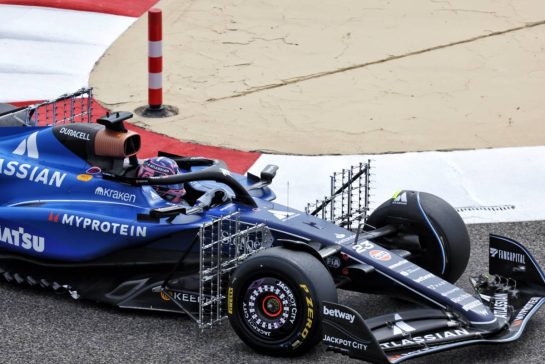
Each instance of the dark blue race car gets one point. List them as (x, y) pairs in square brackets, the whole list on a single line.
[(76, 218)]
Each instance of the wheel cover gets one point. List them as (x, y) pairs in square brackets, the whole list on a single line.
[(269, 309)]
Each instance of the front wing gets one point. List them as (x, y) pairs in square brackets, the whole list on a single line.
[(514, 290)]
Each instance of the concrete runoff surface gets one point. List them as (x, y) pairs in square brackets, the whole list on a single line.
[(354, 77), (39, 326)]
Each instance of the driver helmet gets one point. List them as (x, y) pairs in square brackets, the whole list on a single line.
[(163, 166)]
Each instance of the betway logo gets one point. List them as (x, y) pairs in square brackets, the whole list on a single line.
[(18, 237), (105, 227), (339, 314), (29, 146), (116, 195)]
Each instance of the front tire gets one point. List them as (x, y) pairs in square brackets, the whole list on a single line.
[(442, 234), (274, 301)]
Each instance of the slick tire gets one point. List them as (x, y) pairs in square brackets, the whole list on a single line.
[(274, 301), (442, 234)]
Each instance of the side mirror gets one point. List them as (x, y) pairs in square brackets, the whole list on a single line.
[(268, 173)]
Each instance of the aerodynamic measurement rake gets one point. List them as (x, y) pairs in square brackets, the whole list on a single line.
[(348, 203), (224, 244), (66, 109)]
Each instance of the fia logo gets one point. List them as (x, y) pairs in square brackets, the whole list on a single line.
[(28, 147)]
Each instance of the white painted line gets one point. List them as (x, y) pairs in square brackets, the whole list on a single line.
[(47, 52), (474, 179)]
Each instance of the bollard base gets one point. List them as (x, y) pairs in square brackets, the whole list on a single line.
[(157, 112)]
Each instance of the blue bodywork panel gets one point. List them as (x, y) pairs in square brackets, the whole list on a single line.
[(53, 208)]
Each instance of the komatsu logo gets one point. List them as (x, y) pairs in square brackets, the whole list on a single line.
[(507, 255), (36, 174), (116, 195), (18, 237), (339, 314)]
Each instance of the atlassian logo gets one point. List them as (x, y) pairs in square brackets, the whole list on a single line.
[(32, 173), (339, 314), (19, 237), (400, 327), (401, 199), (116, 195), (29, 147)]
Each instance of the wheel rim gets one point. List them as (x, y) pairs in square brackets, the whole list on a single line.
[(269, 309), (272, 306)]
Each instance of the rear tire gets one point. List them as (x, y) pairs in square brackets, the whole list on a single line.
[(442, 234), (274, 301)]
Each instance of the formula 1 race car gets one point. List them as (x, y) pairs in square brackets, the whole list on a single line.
[(76, 218)]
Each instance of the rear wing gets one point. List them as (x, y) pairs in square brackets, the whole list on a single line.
[(66, 109), (514, 290)]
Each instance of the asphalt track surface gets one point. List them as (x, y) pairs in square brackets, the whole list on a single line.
[(39, 326)]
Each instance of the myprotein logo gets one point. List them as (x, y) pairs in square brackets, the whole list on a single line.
[(106, 227), (28, 147), (508, 256), (115, 194), (339, 314), (19, 237)]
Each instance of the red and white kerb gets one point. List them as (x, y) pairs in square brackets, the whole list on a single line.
[(155, 58)]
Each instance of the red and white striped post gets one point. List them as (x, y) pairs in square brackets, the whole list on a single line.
[(155, 59), (155, 107)]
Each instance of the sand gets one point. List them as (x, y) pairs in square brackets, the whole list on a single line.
[(333, 77)]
